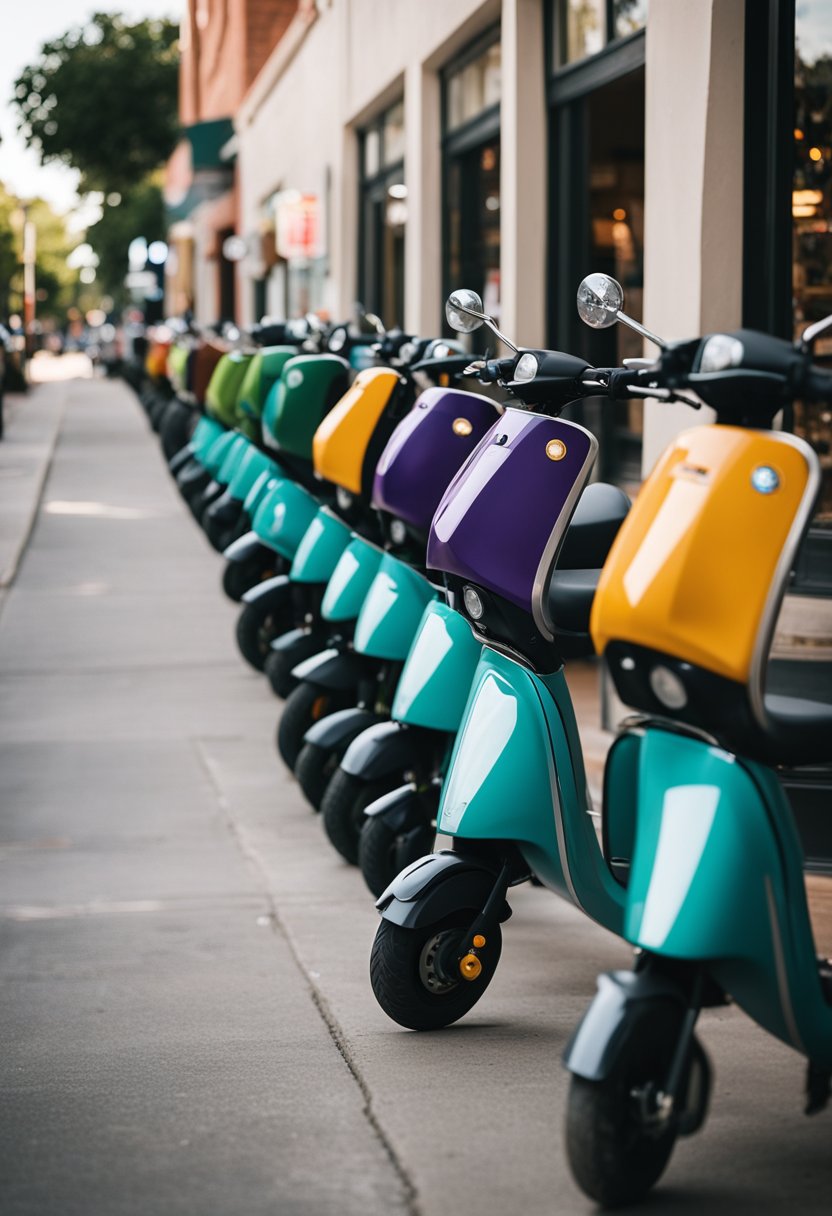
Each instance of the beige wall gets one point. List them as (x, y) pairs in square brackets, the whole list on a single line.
[(353, 60), (693, 183)]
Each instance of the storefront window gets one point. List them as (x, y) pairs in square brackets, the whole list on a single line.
[(474, 87), (584, 27), (471, 244), (812, 213), (383, 216)]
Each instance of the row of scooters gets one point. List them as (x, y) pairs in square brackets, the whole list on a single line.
[(418, 564)]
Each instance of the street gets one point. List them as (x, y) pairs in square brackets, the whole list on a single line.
[(186, 1018)]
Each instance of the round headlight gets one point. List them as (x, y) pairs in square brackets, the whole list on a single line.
[(526, 368), (398, 532), (668, 688), (337, 340), (719, 352), (473, 604)]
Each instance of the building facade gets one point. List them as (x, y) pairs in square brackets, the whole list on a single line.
[(387, 153)]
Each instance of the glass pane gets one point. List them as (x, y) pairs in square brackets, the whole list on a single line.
[(372, 152), (628, 16), (473, 233), (474, 87), (582, 29), (393, 125), (812, 212), (392, 253)]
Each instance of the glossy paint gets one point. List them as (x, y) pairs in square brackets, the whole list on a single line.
[(252, 466), (433, 688), (426, 449), (296, 403), (263, 371), (517, 774), (232, 459), (224, 387), (341, 440), (205, 434), (218, 450), (717, 876), (695, 563), (508, 507), (283, 516), (320, 548), (392, 610), (351, 580)]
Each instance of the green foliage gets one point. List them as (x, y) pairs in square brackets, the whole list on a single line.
[(103, 100), (141, 212), (56, 284)]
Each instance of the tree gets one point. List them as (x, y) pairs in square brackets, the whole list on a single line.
[(141, 212), (56, 284), (103, 100)]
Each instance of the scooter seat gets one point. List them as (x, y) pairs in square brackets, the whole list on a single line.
[(593, 527), (571, 593), (800, 731)]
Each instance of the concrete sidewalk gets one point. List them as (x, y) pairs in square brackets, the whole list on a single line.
[(187, 1020)]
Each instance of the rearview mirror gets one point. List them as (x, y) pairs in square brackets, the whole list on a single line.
[(600, 300), (463, 311)]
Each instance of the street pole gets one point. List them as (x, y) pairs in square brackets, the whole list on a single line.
[(29, 255)]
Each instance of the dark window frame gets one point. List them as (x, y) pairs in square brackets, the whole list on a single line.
[(481, 129), (371, 190)]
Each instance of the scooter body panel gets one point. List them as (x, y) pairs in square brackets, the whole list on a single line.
[(320, 548), (265, 482), (218, 450), (205, 434), (351, 580), (233, 459), (283, 517), (252, 466), (516, 773), (717, 877), (390, 614), (436, 678)]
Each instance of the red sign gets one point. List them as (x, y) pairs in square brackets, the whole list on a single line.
[(298, 224)]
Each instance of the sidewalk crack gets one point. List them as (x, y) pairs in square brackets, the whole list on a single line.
[(336, 1033)]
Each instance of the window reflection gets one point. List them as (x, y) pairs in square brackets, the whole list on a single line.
[(584, 27), (812, 212), (474, 88)]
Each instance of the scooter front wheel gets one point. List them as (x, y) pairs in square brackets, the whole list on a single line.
[(257, 627), (409, 982), (618, 1140), (240, 577), (343, 806), (383, 852), (305, 706)]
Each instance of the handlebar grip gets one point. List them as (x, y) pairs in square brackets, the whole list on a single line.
[(818, 384)]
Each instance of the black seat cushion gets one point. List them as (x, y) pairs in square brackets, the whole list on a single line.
[(599, 514), (571, 593), (800, 730)]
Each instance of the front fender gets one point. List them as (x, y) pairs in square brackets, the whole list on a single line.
[(299, 644), (338, 670), (247, 547), (386, 748), (336, 731), (405, 808), (271, 591), (605, 1029), (436, 886)]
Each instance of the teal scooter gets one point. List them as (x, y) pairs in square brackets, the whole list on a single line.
[(706, 789), (521, 561)]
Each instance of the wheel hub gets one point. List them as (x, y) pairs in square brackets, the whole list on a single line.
[(431, 972)]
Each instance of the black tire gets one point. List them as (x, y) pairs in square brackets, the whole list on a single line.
[(400, 973), (278, 669), (305, 706), (314, 769), (177, 427), (383, 852), (614, 1154), (257, 626), (240, 577), (343, 806)]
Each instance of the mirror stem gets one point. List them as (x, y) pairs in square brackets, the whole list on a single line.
[(484, 317), (645, 333)]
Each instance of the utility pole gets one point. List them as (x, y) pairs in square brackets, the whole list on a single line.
[(29, 255)]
